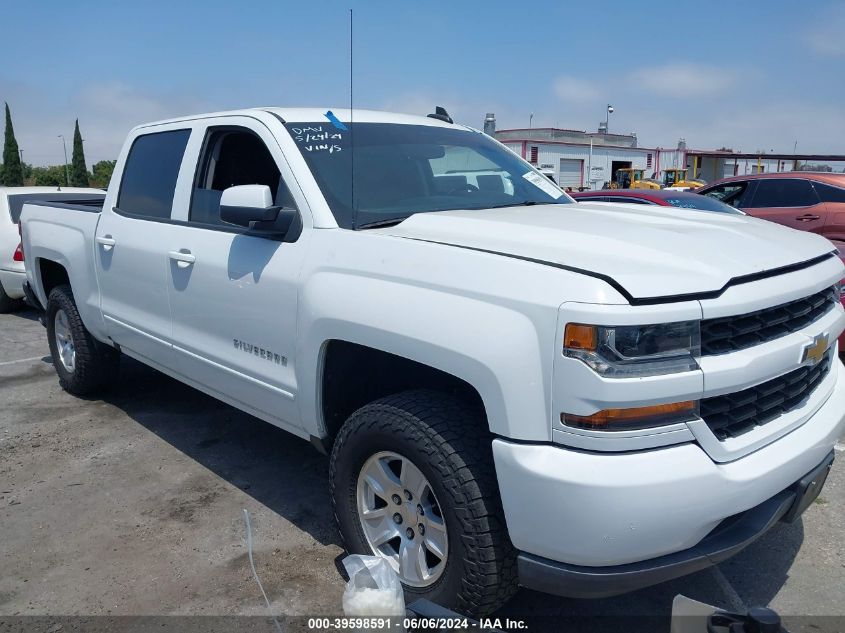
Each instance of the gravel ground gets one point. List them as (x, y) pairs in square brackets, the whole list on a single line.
[(132, 505)]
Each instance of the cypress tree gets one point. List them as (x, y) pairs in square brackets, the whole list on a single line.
[(12, 174), (78, 170)]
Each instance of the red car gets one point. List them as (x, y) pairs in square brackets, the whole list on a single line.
[(803, 200)]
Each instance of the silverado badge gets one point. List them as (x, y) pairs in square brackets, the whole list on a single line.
[(815, 351)]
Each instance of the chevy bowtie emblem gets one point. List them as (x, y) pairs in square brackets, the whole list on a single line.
[(815, 351)]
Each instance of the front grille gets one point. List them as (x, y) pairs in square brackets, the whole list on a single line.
[(732, 333), (736, 413)]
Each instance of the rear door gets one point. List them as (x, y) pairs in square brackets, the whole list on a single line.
[(130, 246), (233, 295), (789, 201), (833, 198)]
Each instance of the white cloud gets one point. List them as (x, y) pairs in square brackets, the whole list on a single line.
[(575, 90), (685, 80)]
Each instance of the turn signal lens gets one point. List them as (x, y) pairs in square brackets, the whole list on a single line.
[(18, 256), (636, 418), (577, 336)]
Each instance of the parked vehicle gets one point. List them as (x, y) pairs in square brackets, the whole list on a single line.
[(632, 178), (676, 178), (659, 197), (807, 201), (513, 388), (12, 274)]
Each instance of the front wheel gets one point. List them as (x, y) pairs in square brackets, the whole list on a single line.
[(84, 364), (413, 481)]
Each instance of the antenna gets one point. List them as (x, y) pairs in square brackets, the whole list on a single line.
[(351, 132)]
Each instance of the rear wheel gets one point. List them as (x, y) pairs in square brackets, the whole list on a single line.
[(84, 365), (413, 481)]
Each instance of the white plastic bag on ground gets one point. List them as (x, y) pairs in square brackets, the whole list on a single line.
[(373, 588)]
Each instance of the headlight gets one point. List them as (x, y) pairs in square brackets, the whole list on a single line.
[(629, 351)]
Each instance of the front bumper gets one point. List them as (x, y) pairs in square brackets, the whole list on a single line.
[(730, 537), (592, 509), (12, 282)]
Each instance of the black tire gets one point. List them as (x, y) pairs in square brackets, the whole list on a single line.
[(96, 363), (448, 440), (7, 304)]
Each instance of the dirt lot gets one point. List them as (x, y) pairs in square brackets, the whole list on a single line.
[(132, 505)]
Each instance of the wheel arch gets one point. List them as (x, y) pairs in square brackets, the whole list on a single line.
[(353, 374), (51, 273)]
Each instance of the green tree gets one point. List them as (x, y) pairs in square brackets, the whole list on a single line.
[(26, 170), (78, 170), (101, 173), (53, 176), (12, 176)]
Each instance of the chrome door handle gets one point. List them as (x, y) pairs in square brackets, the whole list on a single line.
[(106, 241), (807, 217), (183, 259)]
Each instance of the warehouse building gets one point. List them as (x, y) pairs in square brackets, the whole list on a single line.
[(589, 160)]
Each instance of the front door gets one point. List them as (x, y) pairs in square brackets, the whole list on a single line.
[(233, 296), (130, 256)]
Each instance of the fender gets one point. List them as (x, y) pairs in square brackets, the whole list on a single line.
[(497, 350), (76, 257)]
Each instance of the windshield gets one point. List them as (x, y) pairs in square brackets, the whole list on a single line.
[(699, 202), (402, 169)]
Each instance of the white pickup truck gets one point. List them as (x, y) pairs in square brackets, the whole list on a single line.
[(514, 389)]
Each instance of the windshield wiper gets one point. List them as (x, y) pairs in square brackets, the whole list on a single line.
[(382, 223), (525, 203)]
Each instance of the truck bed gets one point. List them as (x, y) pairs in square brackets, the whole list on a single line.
[(91, 205)]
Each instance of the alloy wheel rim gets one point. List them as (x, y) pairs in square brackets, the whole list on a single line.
[(64, 341), (401, 518)]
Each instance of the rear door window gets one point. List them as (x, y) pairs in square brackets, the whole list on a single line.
[(150, 174), (783, 192), (829, 193)]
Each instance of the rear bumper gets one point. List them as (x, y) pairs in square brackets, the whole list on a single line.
[(12, 282), (730, 537)]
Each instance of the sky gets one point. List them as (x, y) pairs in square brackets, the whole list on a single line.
[(750, 76)]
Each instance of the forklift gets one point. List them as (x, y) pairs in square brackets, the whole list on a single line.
[(675, 178), (632, 178)]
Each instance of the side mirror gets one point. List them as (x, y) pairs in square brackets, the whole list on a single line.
[(251, 206)]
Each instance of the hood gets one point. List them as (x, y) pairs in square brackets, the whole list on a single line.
[(647, 252)]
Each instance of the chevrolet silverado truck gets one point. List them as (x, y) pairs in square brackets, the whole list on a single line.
[(513, 389)]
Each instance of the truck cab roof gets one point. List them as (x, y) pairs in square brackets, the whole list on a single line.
[(308, 115)]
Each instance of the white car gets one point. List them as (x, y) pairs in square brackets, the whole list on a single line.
[(12, 273), (513, 388)]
